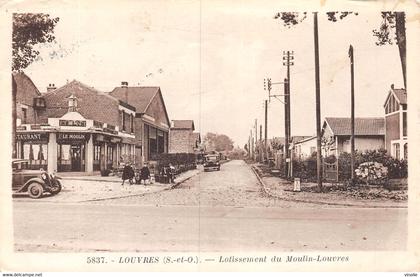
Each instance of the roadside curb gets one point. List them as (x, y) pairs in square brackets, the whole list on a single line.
[(143, 193), (267, 192), (182, 181)]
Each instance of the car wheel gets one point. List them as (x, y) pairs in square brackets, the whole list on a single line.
[(56, 188), (35, 190)]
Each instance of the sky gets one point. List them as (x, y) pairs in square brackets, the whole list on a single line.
[(210, 59)]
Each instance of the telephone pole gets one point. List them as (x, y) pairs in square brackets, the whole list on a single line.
[(352, 112), (265, 129), (287, 61), (318, 105)]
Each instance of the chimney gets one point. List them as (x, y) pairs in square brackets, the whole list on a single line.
[(124, 84), (51, 87), (392, 86)]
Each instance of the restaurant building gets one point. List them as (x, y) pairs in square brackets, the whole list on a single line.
[(73, 128)]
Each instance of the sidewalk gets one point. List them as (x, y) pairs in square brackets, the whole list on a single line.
[(96, 188), (283, 190)]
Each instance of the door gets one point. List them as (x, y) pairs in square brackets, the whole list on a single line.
[(76, 157)]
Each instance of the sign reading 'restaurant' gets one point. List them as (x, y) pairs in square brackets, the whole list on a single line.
[(35, 137), (72, 123)]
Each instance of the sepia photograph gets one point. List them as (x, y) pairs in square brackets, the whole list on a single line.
[(244, 136)]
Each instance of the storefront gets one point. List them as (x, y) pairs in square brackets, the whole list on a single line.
[(71, 151), (33, 146)]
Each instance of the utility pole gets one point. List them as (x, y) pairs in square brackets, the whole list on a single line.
[(318, 105), (286, 132), (352, 112), (260, 150), (256, 139), (265, 131), (287, 61)]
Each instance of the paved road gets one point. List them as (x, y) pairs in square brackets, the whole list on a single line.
[(214, 211)]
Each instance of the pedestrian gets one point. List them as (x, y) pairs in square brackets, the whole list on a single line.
[(144, 174), (171, 173), (128, 174)]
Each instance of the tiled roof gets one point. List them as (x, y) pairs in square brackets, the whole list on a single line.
[(401, 95), (139, 97), (93, 104), (182, 124), (363, 126)]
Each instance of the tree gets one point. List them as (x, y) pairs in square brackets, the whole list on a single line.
[(218, 142), (29, 29), (394, 23)]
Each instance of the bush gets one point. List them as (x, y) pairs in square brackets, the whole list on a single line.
[(396, 168), (181, 161), (372, 173)]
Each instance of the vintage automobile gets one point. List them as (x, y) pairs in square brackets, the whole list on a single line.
[(33, 182), (211, 162)]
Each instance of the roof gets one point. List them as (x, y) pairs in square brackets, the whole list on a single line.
[(305, 140), (363, 126), (401, 95), (299, 138), (139, 97), (93, 104), (183, 124)]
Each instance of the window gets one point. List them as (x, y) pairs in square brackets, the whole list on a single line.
[(97, 153), (397, 150), (406, 151), (131, 123), (313, 149), (161, 142), (404, 124), (24, 115), (123, 120)]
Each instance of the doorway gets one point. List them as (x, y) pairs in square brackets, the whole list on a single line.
[(76, 157)]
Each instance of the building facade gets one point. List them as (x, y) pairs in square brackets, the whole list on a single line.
[(79, 129), (369, 134), (304, 148), (396, 138), (151, 121), (181, 137)]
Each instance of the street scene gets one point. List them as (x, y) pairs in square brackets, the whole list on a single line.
[(173, 127)]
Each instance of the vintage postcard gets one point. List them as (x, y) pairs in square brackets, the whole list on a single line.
[(209, 136)]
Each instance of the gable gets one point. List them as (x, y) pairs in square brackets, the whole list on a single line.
[(157, 110), (26, 90)]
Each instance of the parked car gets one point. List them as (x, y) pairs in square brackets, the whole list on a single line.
[(33, 182), (212, 162)]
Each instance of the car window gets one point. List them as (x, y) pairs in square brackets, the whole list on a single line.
[(212, 158)]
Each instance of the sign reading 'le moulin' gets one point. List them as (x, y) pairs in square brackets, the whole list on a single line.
[(72, 123), (72, 137)]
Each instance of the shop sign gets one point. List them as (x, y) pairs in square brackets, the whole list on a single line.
[(32, 137), (72, 137), (104, 138), (72, 123), (111, 131), (20, 128), (115, 140)]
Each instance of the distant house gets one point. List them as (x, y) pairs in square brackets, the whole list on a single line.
[(396, 140), (181, 137), (304, 148), (198, 147), (336, 132)]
